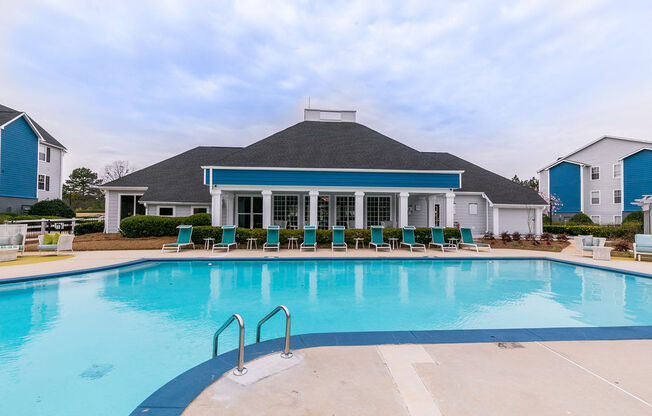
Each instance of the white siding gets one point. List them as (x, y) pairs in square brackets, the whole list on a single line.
[(516, 220), (53, 170), (112, 209), (476, 222), (418, 210)]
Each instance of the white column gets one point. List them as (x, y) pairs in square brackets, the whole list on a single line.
[(229, 205), (450, 199), (313, 207), (359, 210), (216, 207), (496, 225), (267, 208), (432, 200), (403, 209), (538, 221)]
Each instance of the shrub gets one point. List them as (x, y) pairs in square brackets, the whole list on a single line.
[(621, 245), (562, 237), (153, 226), (547, 237), (580, 219), (89, 227), (636, 216), (546, 219), (489, 236), (506, 237), (516, 236), (53, 207), (529, 237), (625, 231)]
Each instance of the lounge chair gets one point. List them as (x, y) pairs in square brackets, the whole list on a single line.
[(377, 238), (228, 238), (13, 235), (586, 243), (438, 240), (642, 246), (55, 242), (408, 239), (467, 240), (183, 239), (338, 238), (309, 238), (272, 238)]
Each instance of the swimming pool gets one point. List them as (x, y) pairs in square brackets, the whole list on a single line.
[(100, 342)]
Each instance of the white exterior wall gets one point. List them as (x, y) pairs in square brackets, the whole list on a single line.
[(53, 169), (418, 210), (516, 220), (476, 222), (112, 209)]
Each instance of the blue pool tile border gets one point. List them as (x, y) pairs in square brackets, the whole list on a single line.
[(173, 398), (218, 259)]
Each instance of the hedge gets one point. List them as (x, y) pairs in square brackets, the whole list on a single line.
[(89, 227), (154, 226), (52, 207), (625, 231)]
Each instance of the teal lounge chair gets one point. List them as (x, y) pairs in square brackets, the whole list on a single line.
[(228, 238), (272, 238), (309, 238), (438, 240), (467, 240), (377, 238), (338, 238), (408, 239), (183, 239)]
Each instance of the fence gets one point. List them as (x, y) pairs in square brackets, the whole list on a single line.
[(42, 226)]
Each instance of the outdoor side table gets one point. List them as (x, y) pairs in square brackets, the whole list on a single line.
[(359, 240), (293, 242), (393, 241), (454, 241), (251, 242), (8, 253), (602, 253), (208, 242)]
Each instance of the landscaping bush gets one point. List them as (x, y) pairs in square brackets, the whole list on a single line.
[(529, 237), (546, 219), (153, 226), (622, 245), (516, 236), (489, 236), (54, 207), (636, 216), (580, 219), (562, 237), (506, 237), (547, 237), (625, 231), (89, 227)]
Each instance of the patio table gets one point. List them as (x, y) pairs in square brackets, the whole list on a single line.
[(8, 253), (357, 240), (293, 242), (393, 241), (602, 253), (251, 242)]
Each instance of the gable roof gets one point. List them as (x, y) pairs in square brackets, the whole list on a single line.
[(498, 189), (323, 145), (177, 179), (7, 114)]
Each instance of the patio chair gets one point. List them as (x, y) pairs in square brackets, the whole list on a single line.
[(48, 243), (338, 238), (309, 238), (272, 238), (438, 240), (642, 246), (467, 240), (183, 239), (13, 235), (228, 239), (377, 238), (586, 243), (408, 239)]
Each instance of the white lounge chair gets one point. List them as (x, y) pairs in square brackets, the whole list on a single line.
[(64, 243)]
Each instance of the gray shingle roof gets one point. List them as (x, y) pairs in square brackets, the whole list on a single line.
[(7, 114), (498, 189)]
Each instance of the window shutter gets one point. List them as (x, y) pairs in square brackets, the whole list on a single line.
[(47, 154), (47, 179)]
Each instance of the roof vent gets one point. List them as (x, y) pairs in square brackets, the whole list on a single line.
[(311, 114)]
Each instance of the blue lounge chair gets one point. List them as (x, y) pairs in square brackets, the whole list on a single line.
[(377, 238), (642, 246), (183, 239), (408, 239), (272, 238), (309, 238), (438, 240), (467, 240), (338, 238), (228, 238)]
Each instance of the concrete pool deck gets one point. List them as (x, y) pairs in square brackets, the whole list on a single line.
[(90, 259), (542, 378)]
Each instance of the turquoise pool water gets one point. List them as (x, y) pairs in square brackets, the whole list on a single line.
[(99, 343)]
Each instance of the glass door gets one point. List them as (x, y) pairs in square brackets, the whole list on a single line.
[(250, 211), (436, 215)]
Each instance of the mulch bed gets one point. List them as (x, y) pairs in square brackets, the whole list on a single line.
[(101, 241), (554, 246)]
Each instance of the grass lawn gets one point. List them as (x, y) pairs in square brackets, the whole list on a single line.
[(33, 260)]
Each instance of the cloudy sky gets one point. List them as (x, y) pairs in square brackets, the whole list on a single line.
[(508, 85)]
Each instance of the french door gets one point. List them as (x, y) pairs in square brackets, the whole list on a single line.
[(250, 211)]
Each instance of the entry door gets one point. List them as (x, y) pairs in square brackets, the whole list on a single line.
[(129, 206), (436, 215), (250, 211)]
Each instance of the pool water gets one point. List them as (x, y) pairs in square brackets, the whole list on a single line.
[(99, 343)]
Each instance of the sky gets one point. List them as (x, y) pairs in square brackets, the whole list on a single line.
[(508, 85)]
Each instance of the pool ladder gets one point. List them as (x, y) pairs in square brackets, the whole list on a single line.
[(241, 369)]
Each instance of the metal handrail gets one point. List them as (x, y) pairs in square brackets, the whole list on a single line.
[(240, 370), (286, 350)]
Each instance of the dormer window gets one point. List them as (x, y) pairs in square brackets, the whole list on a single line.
[(595, 173)]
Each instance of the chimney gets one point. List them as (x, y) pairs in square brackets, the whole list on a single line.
[(312, 114)]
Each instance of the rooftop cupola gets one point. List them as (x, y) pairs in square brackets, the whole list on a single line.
[(312, 114)]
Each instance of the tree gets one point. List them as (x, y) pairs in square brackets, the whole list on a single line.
[(530, 183), (554, 203), (53, 207), (81, 189), (116, 170)]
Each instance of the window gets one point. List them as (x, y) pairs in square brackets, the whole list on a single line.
[(473, 209), (286, 211), (199, 210), (618, 196), (41, 182), (618, 170), (378, 210), (166, 211), (345, 211), (437, 210), (595, 219), (322, 212), (595, 173), (129, 206), (618, 219), (595, 197), (41, 153), (250, 211)]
